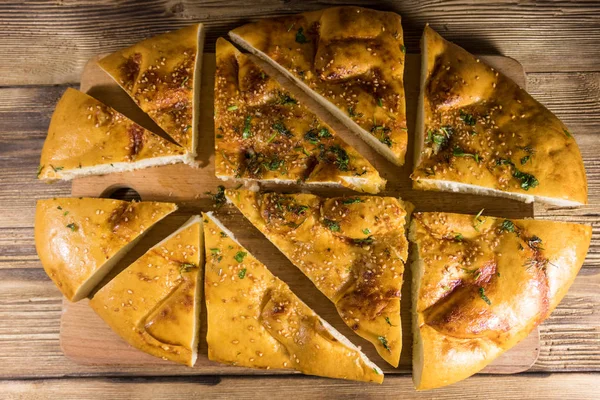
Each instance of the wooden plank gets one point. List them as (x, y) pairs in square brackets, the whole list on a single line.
[(58, 38), (31, 306), (525, 386)]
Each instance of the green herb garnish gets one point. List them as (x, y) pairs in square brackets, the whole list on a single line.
[(232, 108), (528, 181), (242, 272), (387, 319), (365, 241), (300, 38), (72, 226), (458, 237), (280, 128), (215, 250), (352, 200), (247, 126), (56, 169), (219, 197), (332, 225), (468, 119), (384, 342), (239, 256), (484, 297), (185, 267), (478, 221), (286, 99), (223, 234), (39, 171), (567, 132), (184, 81), (366, 231), (380, 102), (507, 226), (458, 152), (403, 48)]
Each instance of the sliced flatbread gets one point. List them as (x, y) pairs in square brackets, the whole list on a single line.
[(353, 249), (79, 240), (86, 137), (162, 75), (481, 285), (350, 59), (479, 132), (154, 304), (262, 133), (255, 320)]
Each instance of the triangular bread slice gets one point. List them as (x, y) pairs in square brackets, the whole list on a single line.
[(353, 249), (481, 285), (262, 133), (162, 75), (349, 59), (86, 137), (479, 132), (255, 320), (79, 240), (154, 304)]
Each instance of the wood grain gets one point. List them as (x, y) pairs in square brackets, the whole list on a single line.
[(528, 387), (57, 38)]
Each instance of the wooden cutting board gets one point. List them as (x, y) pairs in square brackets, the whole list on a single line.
[(86, 339)]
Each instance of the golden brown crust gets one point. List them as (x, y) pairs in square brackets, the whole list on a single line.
[(352, 56), (352, 249), (75, 238), (481, 128), (152, 304), (263, 133), (485, 284), (85, 133), (158, 74), (255, 320)]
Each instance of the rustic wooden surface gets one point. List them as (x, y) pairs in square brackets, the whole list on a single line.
[(188, 185), (45, 44)]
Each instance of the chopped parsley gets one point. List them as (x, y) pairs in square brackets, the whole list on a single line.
[(274, 164), (186, 128), (65, 213), (246, 133), (384, 342), (366, 231), (352, 113), (387, 319), (478, 221), (352, 200), (403, 48), (458, 152), (380, 102), (525, 159), (468, 119), (223, 235), (39, 171), (339, 156), (280, 128), (567, 132), (324, 133), (286, 99), (239, 256), (300, 38), (484, 297), (219, 197), (242, 273), (185, 267), (56, 169), (72, 226), (535, 243), (375, 370), (528, 181), (184, 81), (215, 250), (507, 226), (332, 225), (232, 108), (458, 237), (313, 135), (439, 137), (365, 241)]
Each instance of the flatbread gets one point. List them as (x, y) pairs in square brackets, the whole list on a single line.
[(86, 137), (479, 132), (481, 285), (79, 240), (162, 75), (154, 304), (353, 249), (350, 59), (262, 133), (255, 320)]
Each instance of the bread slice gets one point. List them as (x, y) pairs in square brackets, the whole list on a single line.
[(481, 285), (79, 240), (162, 75), (350, 60), (263, 134), (154, 304), (479, 132), (86, 137), (255, 320), (353, 249)]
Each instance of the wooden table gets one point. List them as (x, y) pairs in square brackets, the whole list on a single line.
[(44, 46)]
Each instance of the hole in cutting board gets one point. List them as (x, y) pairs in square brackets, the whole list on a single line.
[(121, 193)]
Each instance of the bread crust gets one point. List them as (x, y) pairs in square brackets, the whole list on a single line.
[(480, 128), (154, 303), (350, 59), (482, 285), (268, 326), (161, 74), (352, 249), (87, 137), (79, 239)]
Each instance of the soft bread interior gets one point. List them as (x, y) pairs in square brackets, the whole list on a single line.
[(346, 120), (420, 123), (416, 266), (341, 338), (353, 182), (104, 169), (190, 159)]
